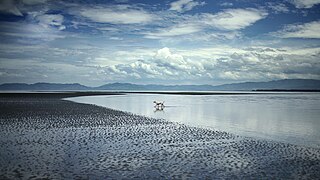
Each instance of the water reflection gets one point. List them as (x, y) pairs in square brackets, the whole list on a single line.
[(290, 118), (159, 109)]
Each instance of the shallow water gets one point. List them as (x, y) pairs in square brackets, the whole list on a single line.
[(291, 118)]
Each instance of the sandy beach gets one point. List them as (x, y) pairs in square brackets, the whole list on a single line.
[(43, 136)]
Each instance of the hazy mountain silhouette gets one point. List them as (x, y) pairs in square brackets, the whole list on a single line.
[(43, 86), (287, 84)]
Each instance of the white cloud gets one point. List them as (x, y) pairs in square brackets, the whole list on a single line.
[(278, 7), (173, 64), (111, 29), (226, 4), (23, 30), (116, 38), (51, 20), (184, 5), (116, 15), (165, 54), (307, 30), (233, 19), (229, 75), (177, 30), (269, 63), (38, 26), (205, 26), (201, 38), (305, 3)]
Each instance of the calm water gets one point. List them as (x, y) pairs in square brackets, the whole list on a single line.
[(292, 117)]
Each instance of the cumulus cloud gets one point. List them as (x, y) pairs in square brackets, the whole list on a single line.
[(163, 65), (259, 63), (254, 63), (115, 14), (306, 30), (174, 61), (184, 5), (305, 3)]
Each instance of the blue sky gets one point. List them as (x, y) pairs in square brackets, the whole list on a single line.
[(158, 41)]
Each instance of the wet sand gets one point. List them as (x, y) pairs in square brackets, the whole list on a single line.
[(43, 136)]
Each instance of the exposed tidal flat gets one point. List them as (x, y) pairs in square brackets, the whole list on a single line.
[(43, 136)]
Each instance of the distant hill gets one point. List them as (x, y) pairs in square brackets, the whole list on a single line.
[(42, 86), (128, 86), (287, 84)]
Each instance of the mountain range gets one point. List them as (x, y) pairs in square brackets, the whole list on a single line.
[(286, 84)]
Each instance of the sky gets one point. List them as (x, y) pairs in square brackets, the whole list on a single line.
[(94, 42)]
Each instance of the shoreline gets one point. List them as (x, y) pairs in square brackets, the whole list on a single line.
[(73, 140)]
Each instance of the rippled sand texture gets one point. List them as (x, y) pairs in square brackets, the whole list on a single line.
[(44, 137)]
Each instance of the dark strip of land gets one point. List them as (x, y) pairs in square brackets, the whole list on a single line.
[(53, 94), (287, 90)]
